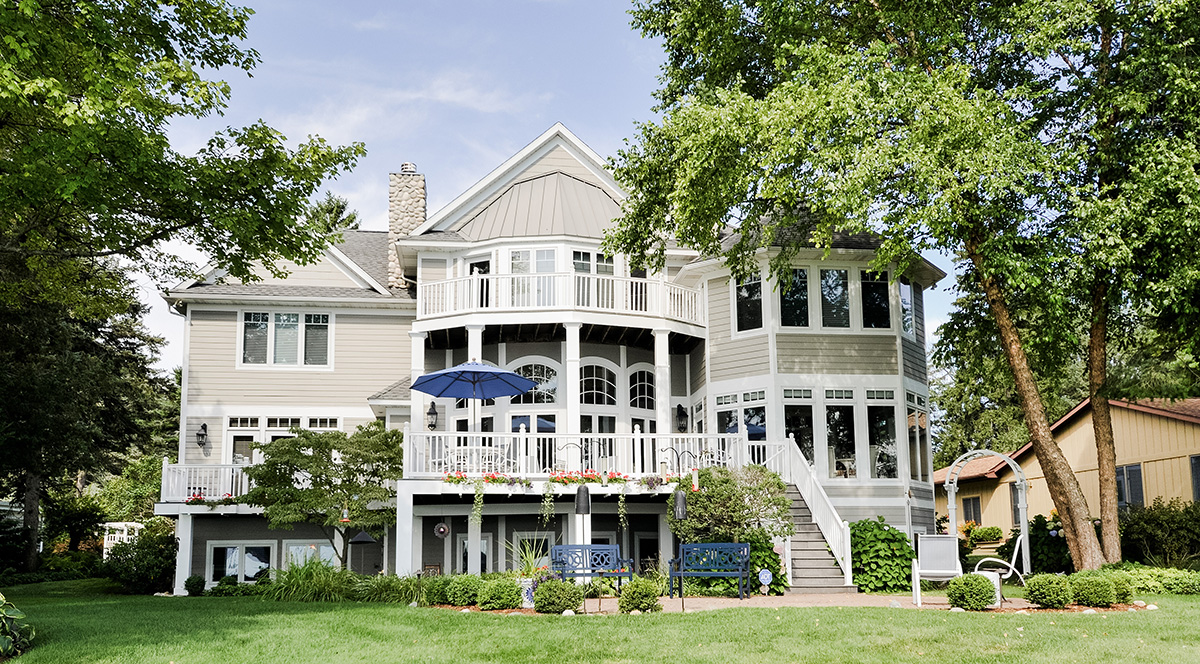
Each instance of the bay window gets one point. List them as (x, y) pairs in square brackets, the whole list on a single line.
[(793, 302), (876, 309)]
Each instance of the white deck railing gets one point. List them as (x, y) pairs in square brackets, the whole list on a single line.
[(797, 470), (564, 291), (182, 482)]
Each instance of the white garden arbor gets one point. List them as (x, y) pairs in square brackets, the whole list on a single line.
[(1022, 499)]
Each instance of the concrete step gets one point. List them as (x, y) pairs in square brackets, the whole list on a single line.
[(807, 528), (804, 544), (829, 572), (815, 563), (808, 536), (822, 590)]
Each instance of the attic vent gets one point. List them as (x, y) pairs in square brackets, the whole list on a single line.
[(408, 167)]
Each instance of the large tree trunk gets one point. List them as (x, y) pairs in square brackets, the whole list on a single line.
[(1060, 479), (32, 502), (1106, 451)]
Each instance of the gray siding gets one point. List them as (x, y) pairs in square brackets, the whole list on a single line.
[(730, 358), (836, 354), (919, 314), (610, 352), (635, 355), (697, 359), (514, 352), (914, 360), (679, 378), (364, 558), (369, 353)]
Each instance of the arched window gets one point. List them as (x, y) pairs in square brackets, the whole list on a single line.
[(641, 390), (597, 386), (546, 390)]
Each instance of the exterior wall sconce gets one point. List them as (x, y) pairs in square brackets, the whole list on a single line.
[(681, 418), (431, 416), (202, 434)]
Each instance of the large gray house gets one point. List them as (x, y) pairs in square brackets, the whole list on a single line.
[(637, 374)]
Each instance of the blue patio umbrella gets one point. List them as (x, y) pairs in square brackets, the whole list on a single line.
[(473, 380)]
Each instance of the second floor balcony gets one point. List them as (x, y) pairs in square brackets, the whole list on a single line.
[(560, 291)]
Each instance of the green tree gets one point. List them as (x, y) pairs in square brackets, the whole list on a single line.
[(76, 393), (87, 92), (329, 479), (332, 211), (1027, 140), (733, 505)]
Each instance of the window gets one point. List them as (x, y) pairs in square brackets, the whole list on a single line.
[(835, 298), (907, 308), (798, 424), (641, 390), (546, 390), (839, 426), (597, 386), (726, 399), (971, 510), (881, 394), (1196, 479), (698, 417), (322, 423), (283, 422), (755, 419), (758, 395), (727, 421), (246, 561), (299, 552), (797, 394), (1014, 496), (243, 423), (881, 432), (749, 304), (277, 339), (532, 290), (918, 440), (839, 394), (1129, 486), (793, 302), (876, 310)]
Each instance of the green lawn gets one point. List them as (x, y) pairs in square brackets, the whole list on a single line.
[(79, 622)]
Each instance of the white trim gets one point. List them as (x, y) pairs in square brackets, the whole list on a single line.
[(504, 174), (352, 270), (183, 383), (485, 542), (272, 410), (270, 365)]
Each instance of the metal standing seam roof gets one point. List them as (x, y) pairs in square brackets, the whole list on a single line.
[(554, 203)]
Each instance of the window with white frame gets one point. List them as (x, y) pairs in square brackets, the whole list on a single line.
[(298, 552), (322, 423), (283, 422), (698, 417), (881, 440), (876, 300), (972, 510), (245, 561), (597, 385), (798, 420), (641, 390), (793, 302), (749, 303), (546, 390), (908, 307), (839, 430), (285, 339), (835, 298)]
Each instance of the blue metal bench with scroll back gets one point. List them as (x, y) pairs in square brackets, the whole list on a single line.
[(602, 560), (711, 560)]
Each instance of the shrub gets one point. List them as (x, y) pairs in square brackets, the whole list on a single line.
[(464, 589), (194, 585), (313, 581), (390, 589), (1122, 588), (15, 634), (986, 534), (973, 592), (555, 596), (1048, 553), (882, 556), (732, 505), (236, 589), (146, 564), (77, 564), (641, 595), (1162, 534), (435, 589), (1182, 583), (1049, 591), (503, 593), (1093, 590)]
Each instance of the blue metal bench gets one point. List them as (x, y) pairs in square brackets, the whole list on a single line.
[(711, 560), (602, 560)]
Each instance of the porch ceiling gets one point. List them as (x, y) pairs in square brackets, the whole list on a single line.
[(456, 337)]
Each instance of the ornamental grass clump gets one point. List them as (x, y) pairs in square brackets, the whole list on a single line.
[(555, 596), (463, 589), (973, 592), (1093, 590), (639, 595), (1049, 591), (313, 581), (501, 593)]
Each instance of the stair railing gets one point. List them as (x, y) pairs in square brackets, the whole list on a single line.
[(835, 530)]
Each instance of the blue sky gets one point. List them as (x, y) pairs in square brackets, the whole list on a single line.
[(454, 87)]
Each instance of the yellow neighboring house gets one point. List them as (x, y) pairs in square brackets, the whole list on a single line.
[(1158, 455)]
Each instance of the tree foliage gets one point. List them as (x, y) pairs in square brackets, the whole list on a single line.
[(313, 476), (87, 92), (1048, 145), (734, 505)]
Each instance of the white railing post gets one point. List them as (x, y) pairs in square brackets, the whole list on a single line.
[(847, 555), (408, 450)]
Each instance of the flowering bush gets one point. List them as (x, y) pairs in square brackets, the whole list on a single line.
[(195, 499), (457, 477)]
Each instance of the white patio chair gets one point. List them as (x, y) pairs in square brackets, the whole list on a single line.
[(937, 560)]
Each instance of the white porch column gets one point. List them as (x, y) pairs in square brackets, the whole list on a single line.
[(666, 541), (405, 553), (475, 343), (474, 543), (416, 413), (570, 392), (183, 557), (662, 383)]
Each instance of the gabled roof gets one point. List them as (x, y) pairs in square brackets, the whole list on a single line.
[(557, 149), (987, 467)]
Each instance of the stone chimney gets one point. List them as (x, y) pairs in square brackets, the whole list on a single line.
[(406, 212)]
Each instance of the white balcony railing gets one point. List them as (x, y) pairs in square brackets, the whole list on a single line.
[(182, 482), (586, 292)]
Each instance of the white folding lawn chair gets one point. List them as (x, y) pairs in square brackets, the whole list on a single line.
[(937, 560)]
